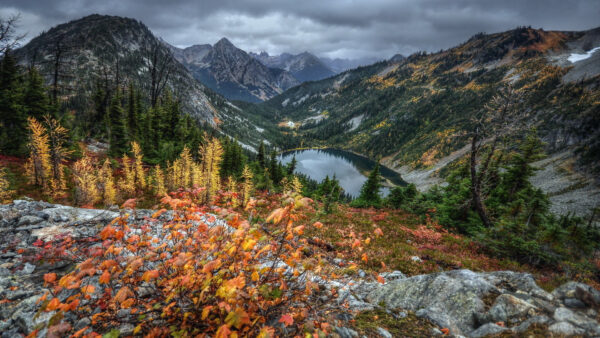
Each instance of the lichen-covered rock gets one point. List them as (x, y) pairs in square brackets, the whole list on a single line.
[(565, 328), (508, 308), (574, 290), (448, 299)]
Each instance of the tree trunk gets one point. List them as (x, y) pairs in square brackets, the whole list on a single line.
[(476, 185)]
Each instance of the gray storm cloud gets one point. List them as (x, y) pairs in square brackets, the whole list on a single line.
[(334, 28)]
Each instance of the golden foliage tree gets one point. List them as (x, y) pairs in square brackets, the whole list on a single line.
[(247, 186), (57, 136), (86, 182), (211, 153), (232, 190), (5, 191), (159, 181), (181, 172), (109, 191), (128, 182), (38, 167), (296, 185), (138, 166)]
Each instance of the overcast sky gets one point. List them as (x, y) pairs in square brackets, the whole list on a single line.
[(333, 28)]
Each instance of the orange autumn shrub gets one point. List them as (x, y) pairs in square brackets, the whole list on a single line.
[(185, 273)]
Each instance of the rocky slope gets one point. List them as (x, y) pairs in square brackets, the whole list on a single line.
[(468, 303), (233, 73), (303, 66), (109, 50)]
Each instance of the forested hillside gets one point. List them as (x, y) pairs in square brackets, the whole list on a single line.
[(420, 109)]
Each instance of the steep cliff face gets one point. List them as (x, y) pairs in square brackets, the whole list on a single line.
[(112, 50), (233, 73)]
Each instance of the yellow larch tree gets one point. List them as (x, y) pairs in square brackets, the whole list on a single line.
[(138, 166), (159, 181), (86, 182), (296, 185), (211, 153), (109, 191), (5, 191), (38, 167), (232, 189), (247, 186), (197, 178), (185, 167), (57, 136), (127, 183)]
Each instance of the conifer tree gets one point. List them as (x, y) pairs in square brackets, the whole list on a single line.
[(296, 185), (261, 155), (13, 118), (138, 169), (292, 165), (369, 193), (86, 182), (118, 135), (247, 186), (5, 191), (232, 189), (211, 153), (132, 112), (128, 181), (38, 166), (109, 191), (57, 136), (159, 181), (35, 99)]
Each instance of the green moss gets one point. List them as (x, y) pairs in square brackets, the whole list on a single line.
[(366, 323)]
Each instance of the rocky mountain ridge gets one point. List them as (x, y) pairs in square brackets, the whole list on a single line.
[(102, 50), (233, 73)]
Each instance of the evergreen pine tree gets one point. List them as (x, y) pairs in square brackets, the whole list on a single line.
[(13, 117), (261, 155), (292, 166), (369, 193), (132, 113), (35, 99), (118, 136)]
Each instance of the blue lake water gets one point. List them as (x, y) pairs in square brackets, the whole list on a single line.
[(348, 168)]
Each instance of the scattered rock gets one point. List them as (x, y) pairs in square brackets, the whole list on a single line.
[(345, 332), (487, 329), (574, 303), (508, 308), (384, 333), (29, 219), (565, 328)]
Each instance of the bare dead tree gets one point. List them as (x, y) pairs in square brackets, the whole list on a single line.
[(9, 39), (499, 118), (160, 65), (59, 66)]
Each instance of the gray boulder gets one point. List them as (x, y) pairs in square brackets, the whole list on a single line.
[(487, 329)]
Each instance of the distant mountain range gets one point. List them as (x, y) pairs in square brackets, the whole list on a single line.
[(232, 72), (252, 77)]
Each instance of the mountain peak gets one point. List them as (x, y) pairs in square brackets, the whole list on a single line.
[(224, 42)]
